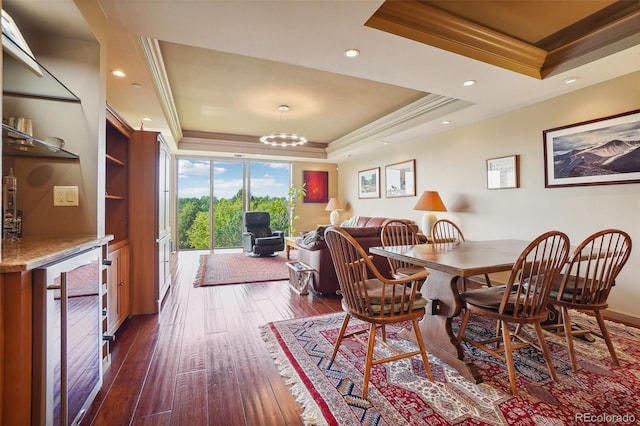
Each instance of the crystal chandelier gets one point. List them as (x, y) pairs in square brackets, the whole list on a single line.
[(283, 139)]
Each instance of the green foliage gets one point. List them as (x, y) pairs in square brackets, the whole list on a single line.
[(294, 194), (194, 218)]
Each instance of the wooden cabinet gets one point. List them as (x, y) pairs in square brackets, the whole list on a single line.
[(117, 274), (118, 288), (149, 220)]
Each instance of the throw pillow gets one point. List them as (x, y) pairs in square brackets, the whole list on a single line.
[(351, 222)]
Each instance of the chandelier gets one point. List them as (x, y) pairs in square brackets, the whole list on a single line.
[(283, 139)]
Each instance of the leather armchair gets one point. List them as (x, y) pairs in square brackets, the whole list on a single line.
[(257, 238)]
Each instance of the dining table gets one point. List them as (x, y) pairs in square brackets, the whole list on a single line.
[(448, 263)]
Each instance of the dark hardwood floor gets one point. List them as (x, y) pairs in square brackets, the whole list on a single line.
[(202, 361)]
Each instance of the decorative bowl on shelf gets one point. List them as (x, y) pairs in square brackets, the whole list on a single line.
[(54, 143)]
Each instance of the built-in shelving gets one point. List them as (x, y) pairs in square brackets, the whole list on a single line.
[(17, 143)]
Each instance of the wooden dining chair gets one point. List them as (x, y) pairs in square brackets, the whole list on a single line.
[(586, 283), (446, 231), (371, 297), (523, 300), (400, 232)]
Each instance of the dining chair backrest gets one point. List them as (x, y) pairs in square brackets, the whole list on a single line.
[(399, 232), (593, 268), (445, 231), (533, 275), (358, 277)]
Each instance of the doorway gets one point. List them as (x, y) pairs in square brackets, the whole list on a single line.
[(212, 195)]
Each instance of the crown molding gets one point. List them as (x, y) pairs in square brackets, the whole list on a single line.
[(150, 49), (420, 22), (422, 111), (612, 29)]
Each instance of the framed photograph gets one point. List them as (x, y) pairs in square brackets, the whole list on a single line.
[(400, 179), (369, 183), (604, 151), (503, 172), (317, 185), (15, 45)]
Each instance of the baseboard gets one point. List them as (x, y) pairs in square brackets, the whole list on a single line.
[(621, 318)]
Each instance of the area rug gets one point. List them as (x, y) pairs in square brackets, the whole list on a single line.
[(400, 393), (235, 268)]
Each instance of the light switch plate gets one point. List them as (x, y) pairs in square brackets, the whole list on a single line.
[(65, 195)]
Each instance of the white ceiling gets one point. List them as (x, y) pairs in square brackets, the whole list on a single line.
[(229, 64)]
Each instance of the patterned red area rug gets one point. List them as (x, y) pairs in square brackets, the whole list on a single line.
[(235, 268), (400, 394)]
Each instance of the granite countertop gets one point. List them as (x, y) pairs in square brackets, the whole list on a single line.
[(33, 252)]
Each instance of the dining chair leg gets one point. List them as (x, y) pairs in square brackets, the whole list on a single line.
[(369, 361), (508, 352), (498, 331), (545, 351), (607, 338), (343, 329), (463, 326), (568, 335), (384, 333), (423, 350)]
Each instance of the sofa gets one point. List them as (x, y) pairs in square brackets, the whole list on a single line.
[(313, 250)]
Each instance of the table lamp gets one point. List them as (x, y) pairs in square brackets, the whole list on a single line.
[(430, 202), (334, 205)]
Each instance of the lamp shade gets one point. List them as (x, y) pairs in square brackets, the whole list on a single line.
[(334, 204), (430, 201)]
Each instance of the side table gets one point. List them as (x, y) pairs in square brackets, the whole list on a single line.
[(289, 243), (300, 276)]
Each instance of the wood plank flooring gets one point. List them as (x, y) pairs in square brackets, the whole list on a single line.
[(202, 361)]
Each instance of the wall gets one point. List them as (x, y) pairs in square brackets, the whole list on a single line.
[(454, 163), (77, 65), (313, 214)]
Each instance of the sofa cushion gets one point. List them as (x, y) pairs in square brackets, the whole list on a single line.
[(372, 231), (364, 221)]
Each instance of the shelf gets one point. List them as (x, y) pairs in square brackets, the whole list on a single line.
[(114, 160), (19, 80), (26, 145)]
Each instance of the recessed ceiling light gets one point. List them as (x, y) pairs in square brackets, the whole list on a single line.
[(146, 119), (446, 122), (385, 142), (469, 83), (136, 85), (283, 108), (351, 53), (118, 73), (570, 80)]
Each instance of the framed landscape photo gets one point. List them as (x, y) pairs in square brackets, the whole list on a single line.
[(400, 179), (598, 152), (369, 183), (503, 173)]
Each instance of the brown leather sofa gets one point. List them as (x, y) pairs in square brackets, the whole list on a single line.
[(313, 251)]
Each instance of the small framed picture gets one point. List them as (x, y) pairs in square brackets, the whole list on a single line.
[(400, 179), (369, 183), (503, 173)]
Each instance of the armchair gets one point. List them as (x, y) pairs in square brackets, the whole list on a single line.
[(257, 238)]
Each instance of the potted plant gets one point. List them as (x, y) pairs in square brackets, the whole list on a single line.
[(294, 194)]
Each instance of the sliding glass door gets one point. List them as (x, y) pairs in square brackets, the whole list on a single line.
[(213, 194)]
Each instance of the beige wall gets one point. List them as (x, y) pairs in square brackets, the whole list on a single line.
[(454, 163), (77, 65), (313, 214)]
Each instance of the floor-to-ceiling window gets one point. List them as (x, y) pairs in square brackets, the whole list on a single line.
[(213, 194)]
